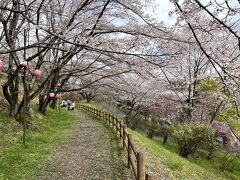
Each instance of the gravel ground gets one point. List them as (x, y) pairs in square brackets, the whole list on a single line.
[(91, 153)]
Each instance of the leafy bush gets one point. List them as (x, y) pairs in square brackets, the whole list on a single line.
[(191, 136)]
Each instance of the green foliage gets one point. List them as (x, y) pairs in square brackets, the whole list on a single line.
[(227, 162), (230, 113), (190, 136), (18, 162), (170, 165), (208, 86)]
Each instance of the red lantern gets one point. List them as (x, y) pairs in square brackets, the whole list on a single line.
[(37, 72), (1, 64), (51, 95), (58, 95)]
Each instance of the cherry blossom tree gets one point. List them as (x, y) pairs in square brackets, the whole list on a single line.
[(49, 35)]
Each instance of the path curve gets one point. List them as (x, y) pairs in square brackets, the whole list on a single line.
[(92, 153)]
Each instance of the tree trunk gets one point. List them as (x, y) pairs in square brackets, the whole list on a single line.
[(40, 99), (184, 152), (43, 107), (165, 138), (13, 109), (53, 105), (88, 99), (10, 93)]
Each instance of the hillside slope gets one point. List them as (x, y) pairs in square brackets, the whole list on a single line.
[(169, 165)]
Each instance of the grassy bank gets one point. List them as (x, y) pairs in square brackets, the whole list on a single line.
[(168, 164), (18, 162)]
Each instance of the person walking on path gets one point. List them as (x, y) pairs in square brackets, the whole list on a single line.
[(69, 104)]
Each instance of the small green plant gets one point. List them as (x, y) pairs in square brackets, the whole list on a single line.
[(191, 136)]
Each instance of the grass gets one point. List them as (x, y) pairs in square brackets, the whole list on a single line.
[(19, 162), (170, 165)]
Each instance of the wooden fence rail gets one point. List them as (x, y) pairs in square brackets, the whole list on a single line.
[(136, 160)]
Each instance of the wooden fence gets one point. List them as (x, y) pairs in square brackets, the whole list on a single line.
[(136, 159)]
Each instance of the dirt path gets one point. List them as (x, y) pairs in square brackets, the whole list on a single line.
[(91, 153)]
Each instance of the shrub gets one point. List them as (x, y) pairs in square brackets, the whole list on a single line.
[(191, 136)]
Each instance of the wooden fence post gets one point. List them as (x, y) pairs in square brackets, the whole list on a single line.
[(151, 176), (115, 123), (129, 149), (118, 124), (120, 129), (141, 161), (105, 117), (110, 120), (108, 117), (124, 135)]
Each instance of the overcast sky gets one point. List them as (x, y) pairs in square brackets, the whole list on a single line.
[(164, 6)]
